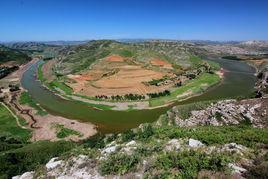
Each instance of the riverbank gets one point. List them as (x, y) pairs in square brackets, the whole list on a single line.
[(36, 119), (44, 127)]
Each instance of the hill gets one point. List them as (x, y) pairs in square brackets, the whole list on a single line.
[(12, 55), (35, 49)]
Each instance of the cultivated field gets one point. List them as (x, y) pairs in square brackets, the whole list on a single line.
[(116, 75)]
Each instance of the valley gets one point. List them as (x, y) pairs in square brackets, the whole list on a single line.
[(117, 93)]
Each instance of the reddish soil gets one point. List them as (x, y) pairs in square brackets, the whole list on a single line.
[(115, 58), (116, 76), (162, 63), (47, 70)]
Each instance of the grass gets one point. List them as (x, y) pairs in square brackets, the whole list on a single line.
[(187, 164), (63, 132), (214, 65), (212, 135), (62, 86), (40, 75), (125, 53), (25, 98), (9, 125), (182, 164), (195, 60), (195, 85), (209, 135), (121, 164)]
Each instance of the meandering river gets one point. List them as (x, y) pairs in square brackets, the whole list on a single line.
[(238, 80)]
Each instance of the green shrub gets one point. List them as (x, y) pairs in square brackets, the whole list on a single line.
[(27, 158), (187, 164), (63, 132), (118, 164), (96, 141), (127, 135), (211, 135), (145, 132)]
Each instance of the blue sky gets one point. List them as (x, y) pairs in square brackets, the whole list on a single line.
[(44, 20)]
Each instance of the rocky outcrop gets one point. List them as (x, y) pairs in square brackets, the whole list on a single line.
[(85, 167), (262, 83), (227, 112)]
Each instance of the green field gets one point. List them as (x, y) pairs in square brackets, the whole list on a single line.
[(195, 85), (60, 85), (9, 125)]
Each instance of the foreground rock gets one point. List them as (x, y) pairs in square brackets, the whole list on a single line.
[(228, 112)]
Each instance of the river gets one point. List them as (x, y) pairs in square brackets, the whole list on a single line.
[(238, 80)]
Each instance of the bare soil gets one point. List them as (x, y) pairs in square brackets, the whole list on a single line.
[(115, 75), (14, 78), (162, 63), (47, 70)]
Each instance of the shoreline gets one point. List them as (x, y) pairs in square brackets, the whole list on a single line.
[(41, 126)]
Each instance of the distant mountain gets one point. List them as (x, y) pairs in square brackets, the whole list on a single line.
[(36, 46), (255, 43), (65, 43)]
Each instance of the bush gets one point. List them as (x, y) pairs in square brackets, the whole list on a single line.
[(146, 132), (186, 164), (27, 158), (118, 164), (128, 135), (96, 141), (212, 135)]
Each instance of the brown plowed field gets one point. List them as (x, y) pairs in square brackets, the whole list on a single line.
[(114, 75)]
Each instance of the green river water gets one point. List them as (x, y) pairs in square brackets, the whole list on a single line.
[(238, 80)]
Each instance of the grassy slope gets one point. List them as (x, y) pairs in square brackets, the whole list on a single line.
[(153, 139), (8, 125), (196, 86)]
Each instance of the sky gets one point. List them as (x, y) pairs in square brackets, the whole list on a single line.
[(50, 20)]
